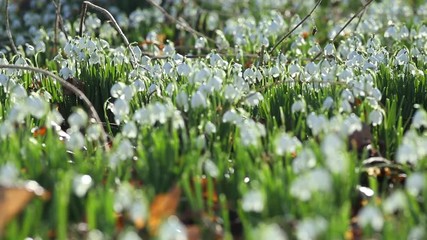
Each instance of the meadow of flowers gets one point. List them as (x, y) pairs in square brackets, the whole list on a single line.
[(204, 119)]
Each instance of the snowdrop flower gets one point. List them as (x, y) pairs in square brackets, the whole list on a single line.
[(333, 149), (329, 50), (78, 119), (232, 116), (183, 69), (298, 106), (351, 124), (417, 233), (415, 183), (129, 130), (210, 128), (250, 132), (198, 100), (173, 229), (153, 89), (94, 58), (93, 132), (125, 149), (210, 168), (284, 143), (345, 106), (253, 201), (8, 174), (315, 181), (402, 57), (371, 216), (391, 32), (81, 184), (76, 141), (328, 103), (407, 153), (117, 89), (54, 118), (182, 101), (170, 88), (395, 202), (18, 93), (316, 123), (6, 129), (420, 118), (37, 106), (375, 117), (311, 228), (253, 99), (129, 234), (200, 43), (139, 85), (121, 109), (214, 84), (304, 161), (270, 231), (230, 92)]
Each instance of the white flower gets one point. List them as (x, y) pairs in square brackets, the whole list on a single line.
[(76, 141), (78, 119), (415, 183), (253, 201), (129, 235), (210, 168), (37, 106), (210, 127), (232, 116), (311, 228), (125, 150), (182, 101), (173, 229), (402, 57), (420, 119), (391, 32), (329, 50), (304, 161), (253, 99), (407, 153), (315, 181), (129, 130), (284, 143), (183, 69), (316, 123), (198, 100), (117, 89), (375, 117), (250, 132), (298, 106), (81, 184), (417, 233), (93, 132), (8, 174), (231, 93), (120, 108), (200, 43), (371, 216), (395, 202), (328, 103)]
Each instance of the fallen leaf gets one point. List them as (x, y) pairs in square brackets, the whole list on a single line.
[(14, 199), (163, 206)]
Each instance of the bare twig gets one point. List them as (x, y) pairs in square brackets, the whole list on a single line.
[(57, 16), (296, 26), (70, 87), (8, 30), (114, 23), (182, 23), (58, 19), (345, 26)]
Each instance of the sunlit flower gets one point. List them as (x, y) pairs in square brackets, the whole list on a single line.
[(415, 183), (210, 168), (314, 181), (81, 184), (371, 216), (172, 229), (129, 130), (210, 127), (182, 101), (304, 161), (253, 99), (76, 141), (253, 201), (284, 143), (232, 116), (298, 106), (78, 118), (198, 100), (93, 132), (8, 174), (375, 117), (419, 119), (311, 228)]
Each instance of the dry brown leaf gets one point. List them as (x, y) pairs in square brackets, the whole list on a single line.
[(163, 206), (14, 199)]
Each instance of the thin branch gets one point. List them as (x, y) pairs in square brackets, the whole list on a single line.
[(345, 26), (114, 23), (8, 30), (57, 16), (70, 87), (182, 23), (296, 26)]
